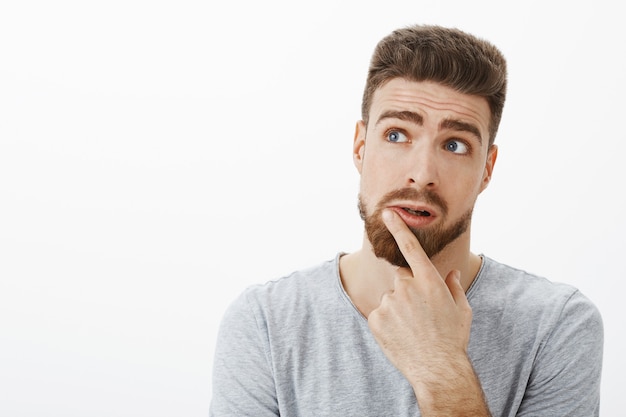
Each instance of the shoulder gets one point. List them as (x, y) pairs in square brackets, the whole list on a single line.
[(531, 310), (297, 292), (499, 282), (529, 298), (548, 332), (299, 284)]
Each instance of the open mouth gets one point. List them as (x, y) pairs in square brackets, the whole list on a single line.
[(417, 212)]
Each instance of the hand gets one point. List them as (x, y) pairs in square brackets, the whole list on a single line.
[(423, 324)]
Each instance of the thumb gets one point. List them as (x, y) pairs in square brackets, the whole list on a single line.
[(453, 281)]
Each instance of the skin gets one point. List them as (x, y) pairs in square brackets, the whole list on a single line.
[(420, 315)]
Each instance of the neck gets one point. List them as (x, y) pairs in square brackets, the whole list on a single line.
[(366, 278)]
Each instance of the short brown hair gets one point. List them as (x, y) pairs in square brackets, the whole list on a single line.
[(447, 56)]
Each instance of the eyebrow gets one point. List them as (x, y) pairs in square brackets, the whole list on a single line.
[(461, 126), (406, 115), (452, 124)]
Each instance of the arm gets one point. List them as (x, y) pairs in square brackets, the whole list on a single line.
[(566, 375), (243, 384), (423, 327)]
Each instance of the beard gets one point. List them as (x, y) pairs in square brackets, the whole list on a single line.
[(433, 239)]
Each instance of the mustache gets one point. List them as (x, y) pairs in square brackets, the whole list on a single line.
[(425, 195)]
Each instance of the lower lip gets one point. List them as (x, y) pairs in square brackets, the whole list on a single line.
[(412, 220)]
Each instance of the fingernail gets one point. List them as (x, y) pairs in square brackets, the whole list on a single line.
[(387, 216)]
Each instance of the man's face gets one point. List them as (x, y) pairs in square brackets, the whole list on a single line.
[(425, 155)]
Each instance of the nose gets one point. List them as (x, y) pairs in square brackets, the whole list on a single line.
[(423, 168)]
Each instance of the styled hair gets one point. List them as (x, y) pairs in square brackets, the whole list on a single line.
[(446, 56)]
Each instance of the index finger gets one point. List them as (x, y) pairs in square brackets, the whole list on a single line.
[(406, 240)]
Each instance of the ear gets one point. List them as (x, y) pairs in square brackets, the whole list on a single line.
[(358, 147), (492, 155)]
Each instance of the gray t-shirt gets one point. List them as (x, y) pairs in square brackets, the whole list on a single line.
[(298, 347)]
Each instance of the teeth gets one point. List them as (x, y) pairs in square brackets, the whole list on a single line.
[(418, 212)]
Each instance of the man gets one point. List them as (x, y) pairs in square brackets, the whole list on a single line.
[(414, 323)]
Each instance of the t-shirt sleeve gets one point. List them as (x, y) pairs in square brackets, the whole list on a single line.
[(243, 383), (566, 375)]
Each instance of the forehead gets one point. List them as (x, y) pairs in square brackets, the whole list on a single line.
[(432, 101)]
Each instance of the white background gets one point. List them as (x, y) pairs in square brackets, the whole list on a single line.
[(157, 157)]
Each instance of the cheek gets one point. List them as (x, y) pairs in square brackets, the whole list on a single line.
[(378, 177), (471, 173), (367, 184), (473, 185), (464, 188)]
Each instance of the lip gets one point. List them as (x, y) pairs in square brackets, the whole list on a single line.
[(412, 220)]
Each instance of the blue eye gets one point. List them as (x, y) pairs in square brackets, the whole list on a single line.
[(396, 137), (456, 146)]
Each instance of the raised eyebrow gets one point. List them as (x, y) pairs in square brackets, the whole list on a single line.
[(409, 116), (461, 126)]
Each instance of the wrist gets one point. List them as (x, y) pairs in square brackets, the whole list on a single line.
[(449, 386)]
